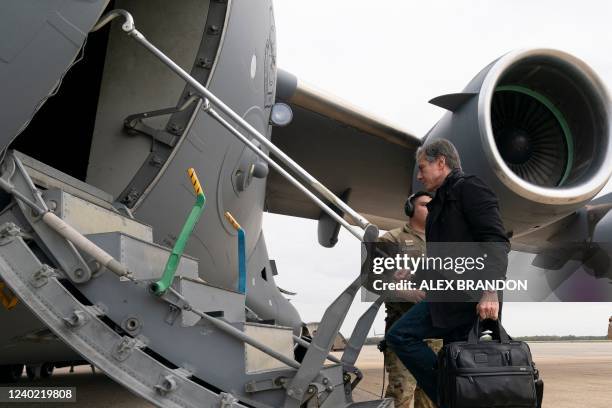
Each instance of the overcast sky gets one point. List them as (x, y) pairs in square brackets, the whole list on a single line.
[(390, 57)]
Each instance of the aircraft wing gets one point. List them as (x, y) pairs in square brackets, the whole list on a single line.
[(354, 154)]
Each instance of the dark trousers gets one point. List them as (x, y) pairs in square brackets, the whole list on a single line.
[(406, 339)]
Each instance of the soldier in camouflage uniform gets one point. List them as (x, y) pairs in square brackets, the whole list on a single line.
[(402, 386)]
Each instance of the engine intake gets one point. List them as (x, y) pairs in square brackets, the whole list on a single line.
[(535, 124)]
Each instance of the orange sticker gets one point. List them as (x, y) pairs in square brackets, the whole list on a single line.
[(9, 300)]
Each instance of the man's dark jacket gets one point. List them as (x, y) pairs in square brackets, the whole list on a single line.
[(465, 209)]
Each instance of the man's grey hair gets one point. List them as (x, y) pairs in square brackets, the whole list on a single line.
[(440, 147)]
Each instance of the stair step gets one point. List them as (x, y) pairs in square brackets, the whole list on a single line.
[(216, 301), (89, 218), (146, 260), (50, 178)]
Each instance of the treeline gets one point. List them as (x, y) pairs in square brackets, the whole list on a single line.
[(376, 340), (559, 338)]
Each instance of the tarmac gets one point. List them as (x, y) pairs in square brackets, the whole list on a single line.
[(576, 375)]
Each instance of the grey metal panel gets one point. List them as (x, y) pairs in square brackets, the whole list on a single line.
[(134, 81), (145, 260), (278, 338), (209, 299), (40, 40), (337, 396), (88, 218)]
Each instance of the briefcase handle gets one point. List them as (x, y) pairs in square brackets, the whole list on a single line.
[(499, 331)]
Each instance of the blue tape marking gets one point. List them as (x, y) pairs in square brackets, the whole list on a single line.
[(241, 262)]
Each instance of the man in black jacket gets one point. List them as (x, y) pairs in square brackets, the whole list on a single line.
[(464, 210)]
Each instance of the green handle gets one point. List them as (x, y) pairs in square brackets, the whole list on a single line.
[(160, 287)]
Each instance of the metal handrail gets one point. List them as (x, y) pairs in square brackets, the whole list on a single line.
[(369, 231)]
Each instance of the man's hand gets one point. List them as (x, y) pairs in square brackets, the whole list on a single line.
[(402, 274), (414, 296), (488, 307)]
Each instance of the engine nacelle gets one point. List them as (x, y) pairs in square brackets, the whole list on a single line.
[(535, 125)]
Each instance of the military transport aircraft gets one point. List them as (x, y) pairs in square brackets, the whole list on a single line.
[(113, 253)]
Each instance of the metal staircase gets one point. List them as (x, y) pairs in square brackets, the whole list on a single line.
[(190, 346)]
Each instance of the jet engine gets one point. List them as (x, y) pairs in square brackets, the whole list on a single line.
[(535, 125)]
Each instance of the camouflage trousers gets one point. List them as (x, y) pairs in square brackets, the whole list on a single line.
[(402, 386)]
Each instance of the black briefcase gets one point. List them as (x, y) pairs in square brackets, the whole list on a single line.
[(488, 373)]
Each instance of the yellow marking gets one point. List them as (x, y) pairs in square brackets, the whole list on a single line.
[(232, 220), (194, 180), (9, 300)]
